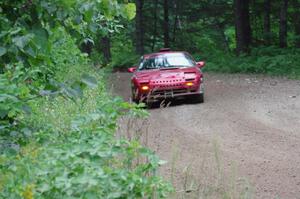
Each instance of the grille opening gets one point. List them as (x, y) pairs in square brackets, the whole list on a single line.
[(169, 85), (167, 92), (167, 81), (190, 79)]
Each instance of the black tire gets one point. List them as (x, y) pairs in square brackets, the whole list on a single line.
[(149, 105), (133, 96), (199, 98)]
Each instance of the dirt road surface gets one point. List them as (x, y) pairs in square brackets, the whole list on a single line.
[(248, 129)]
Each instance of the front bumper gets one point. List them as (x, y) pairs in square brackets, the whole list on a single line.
[(156, 95)]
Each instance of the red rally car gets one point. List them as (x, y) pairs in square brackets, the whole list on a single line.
[(167, 74)]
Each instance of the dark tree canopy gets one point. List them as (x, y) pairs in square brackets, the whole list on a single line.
[(236, 26)]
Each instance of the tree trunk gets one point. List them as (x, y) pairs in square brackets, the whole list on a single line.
[(221, 29), (154, 25), (267, 22), (105, 45), (139, 27), (242, 25), (296, 22), (297, 31), (166, 24), (176, 19), (283, 24)]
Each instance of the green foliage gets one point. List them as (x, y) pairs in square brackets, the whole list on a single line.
[(74, 153), (207, 29), (66, 147), (16, 86), (263, 60), (129, 11), (13, 98), (57, 122), (81, 158), (66, 58), (20, 84), (30, 40), (97, 58), (24, 36), (123, 52)]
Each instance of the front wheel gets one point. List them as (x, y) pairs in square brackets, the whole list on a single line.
[(199, 98), (134, 95)]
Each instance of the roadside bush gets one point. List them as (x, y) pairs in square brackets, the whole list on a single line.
[(263, 60), (70, 150), (83, 159), (123, 52), (14, 97), (21, 85), (66, 57)]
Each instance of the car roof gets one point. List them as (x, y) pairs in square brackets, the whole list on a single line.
[(162, 53)]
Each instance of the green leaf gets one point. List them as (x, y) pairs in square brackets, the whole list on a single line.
[(16, 31), (50, 7), (130, 11), (69, 3), (27, 132), (78, 88), (89, 80), (12, 113), (87, 11), (22, 41), (40, 38), (2, 51), (93, 28), (72, 93), (29, 51)]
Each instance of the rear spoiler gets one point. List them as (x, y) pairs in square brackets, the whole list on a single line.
[(164, 50)]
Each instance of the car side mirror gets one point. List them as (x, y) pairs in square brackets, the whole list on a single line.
[(201, 64), (132, 69)]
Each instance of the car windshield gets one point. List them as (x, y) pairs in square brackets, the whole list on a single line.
[(168, 60)]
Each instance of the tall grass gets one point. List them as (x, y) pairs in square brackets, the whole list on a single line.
[(207, 179), (210, 179)]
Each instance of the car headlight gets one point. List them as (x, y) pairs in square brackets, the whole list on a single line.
[(189, 83), (145, 88)]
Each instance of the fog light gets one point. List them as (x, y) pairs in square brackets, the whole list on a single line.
[(189, 84), (145, 88)]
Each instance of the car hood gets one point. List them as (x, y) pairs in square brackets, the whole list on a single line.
[(180, 73)]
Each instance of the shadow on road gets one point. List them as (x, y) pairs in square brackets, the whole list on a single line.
[(169, 103)]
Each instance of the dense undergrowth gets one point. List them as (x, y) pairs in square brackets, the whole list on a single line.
[(64, 146), (263, 60), (123, 52), (208, 46)]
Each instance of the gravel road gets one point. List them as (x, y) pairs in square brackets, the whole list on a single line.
[(248, 130)]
